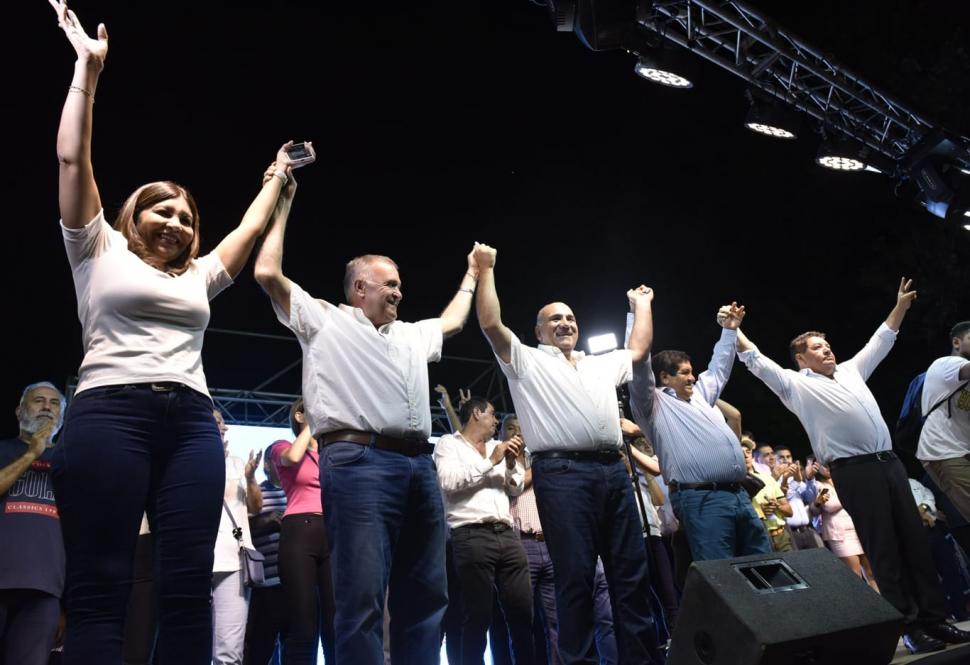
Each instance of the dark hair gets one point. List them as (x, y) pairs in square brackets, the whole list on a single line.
[(295, 408), (959, 330), (268, 453), (669, 362), (800, 344), (144, 198), (782, 446), (466, 410)]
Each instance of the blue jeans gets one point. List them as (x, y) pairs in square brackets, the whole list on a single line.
[(124, 450), (719, 525), (386, 525), (587, 510)]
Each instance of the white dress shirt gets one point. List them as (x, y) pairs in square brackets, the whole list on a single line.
[(839, 414), (475, 491), (358, 377), (946, 432), (799, 494), (566, 407)]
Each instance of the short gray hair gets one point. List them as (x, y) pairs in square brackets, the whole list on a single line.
[(355, 266)]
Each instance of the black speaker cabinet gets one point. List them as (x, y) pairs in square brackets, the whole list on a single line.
[(795, 608)]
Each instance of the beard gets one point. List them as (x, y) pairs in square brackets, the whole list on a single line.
[(32, 425)]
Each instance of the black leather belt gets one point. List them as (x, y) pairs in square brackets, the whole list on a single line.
[(497, 527), (674, 486), (602, 456), (409, 447), (881, 456), (532, 535)]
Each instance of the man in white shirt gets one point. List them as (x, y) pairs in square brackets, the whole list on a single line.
[(478, 474), (365, 386), (944, 441), (800, 491), (848, 434), (566, 403)]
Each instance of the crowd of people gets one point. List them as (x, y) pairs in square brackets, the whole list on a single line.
[(133, 536)]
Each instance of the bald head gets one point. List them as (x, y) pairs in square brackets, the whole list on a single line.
[(556, 326)]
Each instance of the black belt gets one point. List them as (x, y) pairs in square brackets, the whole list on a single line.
[(602, 456), (497, 527), (674, 486), (532, 535), (409, 447), (881, 456)]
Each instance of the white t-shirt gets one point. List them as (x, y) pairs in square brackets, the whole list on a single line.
[(566, 407), (138, 324), (358, 377), (227, 548), (946, 432)]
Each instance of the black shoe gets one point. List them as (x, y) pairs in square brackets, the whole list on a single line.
[(948, 633), (918, 640)]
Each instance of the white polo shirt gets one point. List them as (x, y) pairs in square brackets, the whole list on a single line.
[(475, 491), (566, 407), (946, 432), (359, 377)]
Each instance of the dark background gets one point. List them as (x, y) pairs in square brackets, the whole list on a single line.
[(438, 124)]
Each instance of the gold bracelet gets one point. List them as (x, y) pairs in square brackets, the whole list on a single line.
[(77, 88)]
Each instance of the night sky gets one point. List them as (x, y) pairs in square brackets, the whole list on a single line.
[(439, 124)]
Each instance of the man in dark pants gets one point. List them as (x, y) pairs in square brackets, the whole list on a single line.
[(566, 403), (849, 435), (31, 548), (477, 475)]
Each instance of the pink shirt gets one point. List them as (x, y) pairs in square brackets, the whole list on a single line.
[(301, 482)]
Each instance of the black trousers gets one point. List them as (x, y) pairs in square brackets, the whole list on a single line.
[(141, 618), (304, 563), (877, 496), (487, 559), (266, 624)]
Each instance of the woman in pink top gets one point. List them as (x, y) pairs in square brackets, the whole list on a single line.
[(304, 559), (838, 530)]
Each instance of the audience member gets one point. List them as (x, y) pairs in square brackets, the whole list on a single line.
[(770, 503), (31, 549)]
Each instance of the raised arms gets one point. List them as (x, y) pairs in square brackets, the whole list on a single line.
[(269, 260), (78, 196), (487, 304), (456, 313), (641, 335)]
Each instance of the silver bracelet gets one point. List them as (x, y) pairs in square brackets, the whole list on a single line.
[(282, 176), (86, 93)]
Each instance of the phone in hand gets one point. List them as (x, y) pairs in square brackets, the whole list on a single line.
[(301, 154)]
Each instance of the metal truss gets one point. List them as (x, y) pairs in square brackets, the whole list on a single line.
[(741, 40)]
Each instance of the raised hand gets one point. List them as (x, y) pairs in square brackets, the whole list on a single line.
[(642, 295), (253, 463), (730, 316), (905, 296), (441, 390), (464, 394), (39, 439), (93, 52), (483, 255)]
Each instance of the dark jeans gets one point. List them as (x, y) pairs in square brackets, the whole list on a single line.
[(386, 525), (141, 618), (487, 558), (125, 449), (28, 622), (544, 594), (719, 525), (587, 510), (451, 622), (877, 495), (265, 626), (304, 563)]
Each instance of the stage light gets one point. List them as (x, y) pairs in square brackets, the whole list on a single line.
[(966, 227), (650, 68), (601, 343), (849, 155), (771, 119)]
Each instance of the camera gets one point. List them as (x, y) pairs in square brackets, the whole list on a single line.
[(301, 154)]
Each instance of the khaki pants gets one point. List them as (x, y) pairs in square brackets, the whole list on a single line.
[(952, 476)]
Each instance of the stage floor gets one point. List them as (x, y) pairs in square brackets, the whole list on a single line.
[(904, 656)]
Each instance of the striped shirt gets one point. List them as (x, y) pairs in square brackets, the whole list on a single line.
[(274, 500), (691, 438)]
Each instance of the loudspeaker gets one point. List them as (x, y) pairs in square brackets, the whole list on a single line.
[(792, 608)]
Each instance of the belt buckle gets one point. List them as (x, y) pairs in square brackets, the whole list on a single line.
[(884, 456), (162, 387)]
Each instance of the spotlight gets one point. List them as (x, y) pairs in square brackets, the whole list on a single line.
[(652, 69), (771, 119), (848, 155), (601, 343), (936, 165)]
